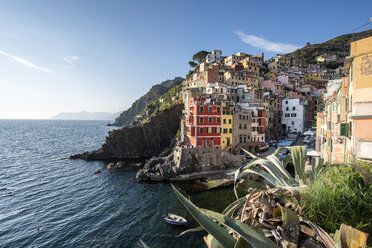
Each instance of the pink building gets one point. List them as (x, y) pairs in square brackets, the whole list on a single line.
[(284, 79), (272, 86)]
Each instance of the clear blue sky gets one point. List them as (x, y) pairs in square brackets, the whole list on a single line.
[(69, 56)]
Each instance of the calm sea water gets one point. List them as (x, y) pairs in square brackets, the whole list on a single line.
[(72, 206)]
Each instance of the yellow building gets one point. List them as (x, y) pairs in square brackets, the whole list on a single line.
[(250, 65), (271, 75), (344, 131), (358, 67), (240, 78), (227, 126), (312, 76)]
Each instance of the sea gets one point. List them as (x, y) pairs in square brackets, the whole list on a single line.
[(47, 200)]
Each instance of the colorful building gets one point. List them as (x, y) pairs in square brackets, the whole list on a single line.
[(203, 122), (358, 119), (227, 124), (344, 129)]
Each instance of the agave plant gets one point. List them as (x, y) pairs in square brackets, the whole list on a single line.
[(274, 171), (261, 219)]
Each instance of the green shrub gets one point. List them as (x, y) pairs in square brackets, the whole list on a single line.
[(339, 196)]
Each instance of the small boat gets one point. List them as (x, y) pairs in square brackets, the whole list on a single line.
[(175, 219)]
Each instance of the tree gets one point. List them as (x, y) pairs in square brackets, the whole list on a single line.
[(192, 63), (200, 56)]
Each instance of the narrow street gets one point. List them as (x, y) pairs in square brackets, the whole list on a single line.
[(299, 142)]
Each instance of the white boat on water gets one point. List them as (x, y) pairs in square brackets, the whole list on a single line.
[(175, 219)]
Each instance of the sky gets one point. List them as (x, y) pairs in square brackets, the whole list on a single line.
[(87, 55)]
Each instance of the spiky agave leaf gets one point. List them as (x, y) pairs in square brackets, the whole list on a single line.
[(286, 160), (196, 229), (218, 232), (316, 165), (255, 237), (291, 228), (250, 154), (350, 237), (298, 154), (273, 179), (280, 166), (233, 206), (242, 243), (326, 239), (212, 242)]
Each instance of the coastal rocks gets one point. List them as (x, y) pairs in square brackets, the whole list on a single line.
[(113, 166), (142, 141), (187, 164), (136, 165), (156, 169)]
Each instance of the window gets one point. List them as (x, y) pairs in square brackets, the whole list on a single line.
[(229, 121), (240, 117), (210, 119), (201, 109), (293, 108), (210, 109), (287, 108), (240, 126), (286, 102), (201, 130), (218, 120), (230, 130), (224, 121), (245, 126), (292, 122), (201, 119), (293, 115), (225, 130), (218, 109), (286, 115)]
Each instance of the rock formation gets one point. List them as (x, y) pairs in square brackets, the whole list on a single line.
[(141, 141), (189, 164)]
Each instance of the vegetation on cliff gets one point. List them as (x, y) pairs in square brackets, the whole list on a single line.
[(197, 59), (339, 46), (339, 196), (138, 107)]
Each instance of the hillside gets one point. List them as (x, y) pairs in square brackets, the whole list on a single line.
[(140, 104), (339, 45)]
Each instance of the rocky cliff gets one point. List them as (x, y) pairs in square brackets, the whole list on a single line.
[(138, 107), (187, 164), (141, 141)]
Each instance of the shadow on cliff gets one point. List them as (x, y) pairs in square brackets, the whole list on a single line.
[(146, 140)]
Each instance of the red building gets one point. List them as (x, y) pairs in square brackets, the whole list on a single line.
[(203, 122)]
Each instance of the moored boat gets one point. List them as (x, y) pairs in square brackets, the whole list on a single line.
[(175, 220)]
